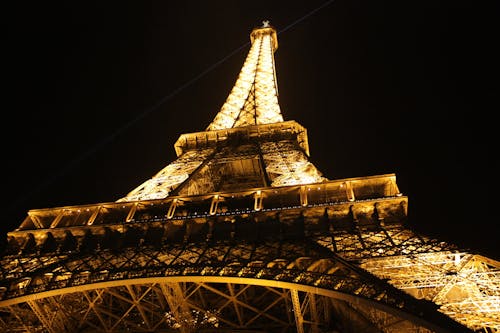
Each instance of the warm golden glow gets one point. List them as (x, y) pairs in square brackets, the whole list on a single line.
[(252, 101), (241, 228), (287, 164), (466, 287), (160, 185), (254, 97)]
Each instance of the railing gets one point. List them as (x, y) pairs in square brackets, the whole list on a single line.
[(220, 203)]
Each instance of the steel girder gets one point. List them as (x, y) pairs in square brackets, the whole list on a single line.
[(100, 279)]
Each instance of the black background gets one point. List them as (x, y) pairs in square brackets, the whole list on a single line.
[(96, 93)]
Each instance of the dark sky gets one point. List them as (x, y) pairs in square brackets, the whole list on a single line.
[(96, 94)]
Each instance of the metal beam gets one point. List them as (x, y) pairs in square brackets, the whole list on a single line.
[(299, 319)]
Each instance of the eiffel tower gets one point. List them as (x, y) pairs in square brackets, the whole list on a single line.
[(241, 233)]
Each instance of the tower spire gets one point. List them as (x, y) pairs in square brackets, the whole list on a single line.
[(243, 212), (248, 145), (254, 97)]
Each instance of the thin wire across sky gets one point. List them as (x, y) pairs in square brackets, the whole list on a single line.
[(80, 158)]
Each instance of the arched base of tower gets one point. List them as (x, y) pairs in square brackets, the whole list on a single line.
[(199, 307)]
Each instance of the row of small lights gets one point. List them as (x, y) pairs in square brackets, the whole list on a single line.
[(237, 211)]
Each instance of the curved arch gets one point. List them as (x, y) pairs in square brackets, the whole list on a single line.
[(234, 280)]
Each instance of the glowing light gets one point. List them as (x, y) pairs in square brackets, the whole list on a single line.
[(465, 286), (174, 174), (254, 97)]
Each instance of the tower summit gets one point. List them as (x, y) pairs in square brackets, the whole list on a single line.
[(242, 233), (239, 149), (254, 97)]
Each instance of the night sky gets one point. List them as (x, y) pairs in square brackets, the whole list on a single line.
[(96, 94)]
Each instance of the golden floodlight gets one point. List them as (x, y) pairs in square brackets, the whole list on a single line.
[(242, 233)]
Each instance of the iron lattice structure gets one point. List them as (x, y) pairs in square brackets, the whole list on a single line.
[(241, 233)]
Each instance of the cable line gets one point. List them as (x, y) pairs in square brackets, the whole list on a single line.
[(143, 114)]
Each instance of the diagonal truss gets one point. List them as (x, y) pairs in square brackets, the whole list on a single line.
[(254, 97), (466, 287), (167, 179), (241, 233), (117, 286), (288, 235), (287, 164), (252, 101)]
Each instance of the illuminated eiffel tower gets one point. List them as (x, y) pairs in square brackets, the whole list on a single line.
[(241, 233)]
